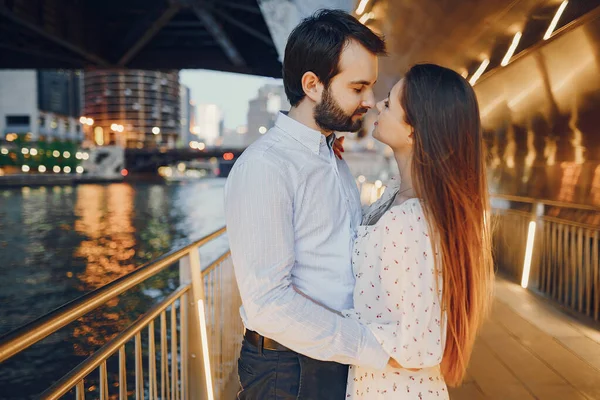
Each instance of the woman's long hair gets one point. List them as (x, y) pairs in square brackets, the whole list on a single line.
[(448, 172)]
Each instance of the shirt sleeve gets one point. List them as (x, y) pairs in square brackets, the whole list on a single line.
[(412, 332), (259, 207)]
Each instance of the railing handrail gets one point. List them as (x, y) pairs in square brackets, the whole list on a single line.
[(27, 335), (552, 203), (82, 370)]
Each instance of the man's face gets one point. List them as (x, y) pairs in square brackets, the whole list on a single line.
[(350, 93)]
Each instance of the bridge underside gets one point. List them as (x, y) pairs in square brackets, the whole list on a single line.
[(142, 34)]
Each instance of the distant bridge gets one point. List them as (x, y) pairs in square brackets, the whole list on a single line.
[(149, 160)]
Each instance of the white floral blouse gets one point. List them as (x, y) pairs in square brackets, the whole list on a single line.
[(397, 296)]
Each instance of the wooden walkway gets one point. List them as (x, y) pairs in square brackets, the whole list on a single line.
[(531, 350)]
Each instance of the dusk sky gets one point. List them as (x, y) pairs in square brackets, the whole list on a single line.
[(231, 92)]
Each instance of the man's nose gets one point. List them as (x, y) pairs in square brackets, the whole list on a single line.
[(369, 100)]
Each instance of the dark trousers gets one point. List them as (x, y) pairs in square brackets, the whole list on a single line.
[(286, 375)]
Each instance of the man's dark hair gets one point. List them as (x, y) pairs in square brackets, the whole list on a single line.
[(316, 45)]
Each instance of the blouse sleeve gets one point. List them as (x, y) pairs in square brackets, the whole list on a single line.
[(410, 328)]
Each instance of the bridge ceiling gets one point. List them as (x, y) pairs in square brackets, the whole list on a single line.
[(226, 35), (460, 34)]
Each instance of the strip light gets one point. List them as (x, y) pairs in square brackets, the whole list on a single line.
[(528, 255), (479, 71), (203, 335), (361, 7), (555, 19), (511, 49), (366, 17)]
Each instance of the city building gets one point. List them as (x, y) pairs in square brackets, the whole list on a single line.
[(133, 108), (263, 110), (40, 105), (185, 109), (234, 138), (209, 124)]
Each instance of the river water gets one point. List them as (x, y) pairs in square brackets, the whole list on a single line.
[(57, 243)]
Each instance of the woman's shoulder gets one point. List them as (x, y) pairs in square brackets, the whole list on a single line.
[(409, 209), (408, 214)]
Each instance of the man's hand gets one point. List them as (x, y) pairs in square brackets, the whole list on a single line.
[(338, 147)]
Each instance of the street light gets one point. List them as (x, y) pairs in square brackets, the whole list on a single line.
[(156, 130)]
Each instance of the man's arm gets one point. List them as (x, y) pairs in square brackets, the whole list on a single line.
[(259, 211)]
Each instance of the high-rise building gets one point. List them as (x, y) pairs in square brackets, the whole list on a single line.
[(185, 99), (194, 123), (133, 108), (263, 110), (40, 105), (209, 124), (234, 138)]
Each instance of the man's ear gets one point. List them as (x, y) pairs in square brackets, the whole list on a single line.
[(312, 86)]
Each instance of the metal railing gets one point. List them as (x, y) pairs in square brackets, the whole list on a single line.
[(551, 247), (185, 347)]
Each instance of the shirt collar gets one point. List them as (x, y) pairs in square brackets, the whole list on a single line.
[(308, 137)]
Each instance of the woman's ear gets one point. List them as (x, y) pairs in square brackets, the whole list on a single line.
[(312, 86), (411, 137)]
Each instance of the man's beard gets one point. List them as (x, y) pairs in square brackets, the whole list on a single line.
[(329, 116)]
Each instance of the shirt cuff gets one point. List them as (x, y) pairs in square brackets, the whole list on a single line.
[(372, 354)]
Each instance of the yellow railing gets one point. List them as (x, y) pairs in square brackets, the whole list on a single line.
[(551, 247), (185, 347)]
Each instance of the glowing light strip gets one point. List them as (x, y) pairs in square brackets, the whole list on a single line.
[(479, 71), (528, 255), (555, 20), (361, 7), (511, 49), (203, 335), (366, 17)]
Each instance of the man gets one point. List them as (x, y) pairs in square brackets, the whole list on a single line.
[(292, 211)]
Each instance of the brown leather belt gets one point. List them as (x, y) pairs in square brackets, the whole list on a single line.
[(256, 339)]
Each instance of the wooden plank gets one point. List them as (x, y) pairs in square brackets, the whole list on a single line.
[(585, 348), (573, 369), (523, 363), (560, 392), (493, 377), (468, 391)]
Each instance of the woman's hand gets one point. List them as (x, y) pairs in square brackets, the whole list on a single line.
[(338, 147)]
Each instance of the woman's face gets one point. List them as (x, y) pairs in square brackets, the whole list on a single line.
[(391, 127)]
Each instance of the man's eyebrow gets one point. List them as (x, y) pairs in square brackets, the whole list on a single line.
[(362, 82)]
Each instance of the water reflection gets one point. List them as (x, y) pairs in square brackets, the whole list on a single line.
[(110, 248), (58, 243)]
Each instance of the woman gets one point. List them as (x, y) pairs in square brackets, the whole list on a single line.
[(422, 258)]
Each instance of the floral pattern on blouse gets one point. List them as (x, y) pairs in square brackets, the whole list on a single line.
[(397, 295)]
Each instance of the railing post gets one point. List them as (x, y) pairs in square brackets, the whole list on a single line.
[(199, 375)]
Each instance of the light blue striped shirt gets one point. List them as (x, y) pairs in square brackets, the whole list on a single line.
[(292, 212)]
